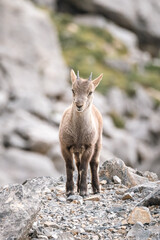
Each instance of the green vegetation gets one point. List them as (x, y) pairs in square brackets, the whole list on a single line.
[(117, 120), (86, 48)]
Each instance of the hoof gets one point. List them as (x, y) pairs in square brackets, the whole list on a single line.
[(69, 193), (83, 193), (96, 191)]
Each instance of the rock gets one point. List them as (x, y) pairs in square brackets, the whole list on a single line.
[(30, 62), (142, 134), (103, 182), (144, 189), (117, 100), (3, 100), (75, 198), (92, 198), (120, 191), (127, 196), (42, 237), (127, 14), (88, 220), (127, 37), (18, 210), (38, 135), (143, 103), (139, 214), (50, 224), (55, 155), (151, 176), (138, 232), (38, 105), (19, 165), (49, 4), (119, 65), (116, 167), (65, 236), (123, 145), (116, 180), (152, 199)]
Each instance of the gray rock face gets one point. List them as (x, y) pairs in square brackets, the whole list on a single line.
[(132, 15), (30, 57), (18, 165), (39, 136)]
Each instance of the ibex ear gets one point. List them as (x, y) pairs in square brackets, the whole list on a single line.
[(73, 76), (97, 80)]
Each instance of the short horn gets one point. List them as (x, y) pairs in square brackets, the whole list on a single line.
[(77, 74), (90, 77)]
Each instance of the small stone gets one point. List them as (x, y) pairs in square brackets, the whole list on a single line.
[(47, 233), (127, 196), (77, 231), (75, 199), (124, 222), (140, 214), (49, 197), (93, 198), (42, 237), (111, 229), (103, 182), (120, 191), (116, 180), (95, 237), (61, 199), (122, 231), (65, 236), (50, 224), (123, 227)]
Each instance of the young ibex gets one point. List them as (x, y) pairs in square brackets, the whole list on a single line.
[(80, 135)]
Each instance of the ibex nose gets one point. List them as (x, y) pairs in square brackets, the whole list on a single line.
[(79, 105)]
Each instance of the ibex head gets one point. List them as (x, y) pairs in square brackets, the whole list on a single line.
[(83, 90)]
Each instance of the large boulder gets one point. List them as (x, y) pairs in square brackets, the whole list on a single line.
[(18, 210), (129, 177), (20, 205)]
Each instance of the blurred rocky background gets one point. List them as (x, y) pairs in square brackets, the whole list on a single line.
[(40, 40)]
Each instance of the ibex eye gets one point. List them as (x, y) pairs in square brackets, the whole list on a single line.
[(90, 93), (73, 91)]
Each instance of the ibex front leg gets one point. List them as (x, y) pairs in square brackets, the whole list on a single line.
[(94, 164), (69, 170), (86, 157), (77, 159)]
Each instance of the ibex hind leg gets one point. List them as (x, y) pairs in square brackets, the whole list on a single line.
[(69, 171), (94, 165)]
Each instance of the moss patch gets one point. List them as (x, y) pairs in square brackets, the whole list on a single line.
[(117, 120)]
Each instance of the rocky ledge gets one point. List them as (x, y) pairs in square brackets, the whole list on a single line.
[(128, 207)]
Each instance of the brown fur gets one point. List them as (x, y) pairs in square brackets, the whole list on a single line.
[(80, 135)]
